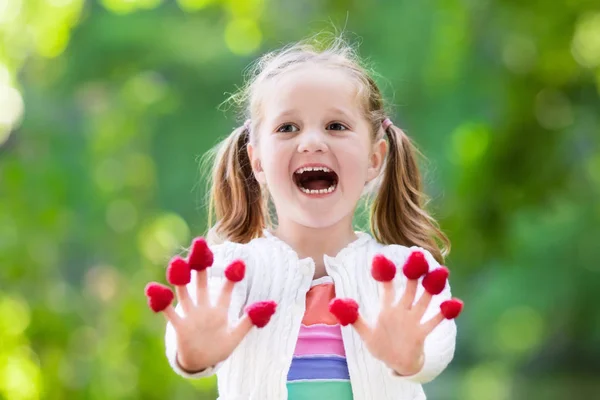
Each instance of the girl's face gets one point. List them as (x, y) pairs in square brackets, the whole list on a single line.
[(315, 152)]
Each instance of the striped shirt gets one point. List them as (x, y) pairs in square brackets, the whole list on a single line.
[(319, 369)]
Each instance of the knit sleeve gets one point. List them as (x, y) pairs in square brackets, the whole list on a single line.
[(440, 343), (224, 254)]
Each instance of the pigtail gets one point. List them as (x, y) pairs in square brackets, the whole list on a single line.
[(398, 215), (236, 200)]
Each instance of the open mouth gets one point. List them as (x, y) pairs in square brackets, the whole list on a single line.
[(316, 179)]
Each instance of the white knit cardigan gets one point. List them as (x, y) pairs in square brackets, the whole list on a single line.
[(258, 368)]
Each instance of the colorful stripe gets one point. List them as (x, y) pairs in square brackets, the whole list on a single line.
[(318, 367), (317, 390), (320, 339)]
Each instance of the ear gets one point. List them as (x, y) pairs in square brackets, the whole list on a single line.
[(255, 164), (378, 152)]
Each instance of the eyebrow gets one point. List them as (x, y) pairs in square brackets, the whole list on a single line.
[(285, 113), (335, 110), (338, 110)]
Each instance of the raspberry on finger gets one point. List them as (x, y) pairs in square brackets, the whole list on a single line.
[(451, 308), (383, 269), (415, 266), (179, 272), (435, 281), (345, 310), (200, 257), (159, 296), (260, 313), (235, 271)]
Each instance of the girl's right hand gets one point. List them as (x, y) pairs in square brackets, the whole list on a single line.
[(204, 337)]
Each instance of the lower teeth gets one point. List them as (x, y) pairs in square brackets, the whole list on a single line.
[(318, 191)]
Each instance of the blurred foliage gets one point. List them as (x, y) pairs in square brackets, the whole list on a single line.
[(105, 107)]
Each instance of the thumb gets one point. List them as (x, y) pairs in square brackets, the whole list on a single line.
[(346, 312), (362, 328), (257, 314), (239, 332)]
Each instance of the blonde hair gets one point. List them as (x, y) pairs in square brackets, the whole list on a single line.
[(241, 207)]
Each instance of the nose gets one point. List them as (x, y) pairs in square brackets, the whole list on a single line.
[(312, 142)]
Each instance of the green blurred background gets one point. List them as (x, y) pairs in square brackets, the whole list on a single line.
[(105, 107)]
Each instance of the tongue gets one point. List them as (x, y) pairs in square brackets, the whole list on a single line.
[(317, 184)]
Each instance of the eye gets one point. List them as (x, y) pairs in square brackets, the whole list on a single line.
[(287, 128), (336, 126)]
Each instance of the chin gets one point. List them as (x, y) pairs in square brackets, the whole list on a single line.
[(313, 211), (318, 217)]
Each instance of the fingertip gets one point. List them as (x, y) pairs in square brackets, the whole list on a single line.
[(382, 268), (235, 271), (345, 310), (159, 296), (260, 313), (178, 272), (435, 281), (452, 308), (200, 257), (416, 265)]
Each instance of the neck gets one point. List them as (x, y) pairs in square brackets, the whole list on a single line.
[(316, 242)]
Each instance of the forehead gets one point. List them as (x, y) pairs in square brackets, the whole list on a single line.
[(311, 89)]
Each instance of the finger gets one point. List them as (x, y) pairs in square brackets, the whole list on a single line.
[(384, 270), (202, 297), (260, 313), (388, 295), (233, 273), (172, 316), (362, 328), (239, 332), (435, 281), (451, 308), (421, 306), (345, 310), (431, 324), (159, 296), (184, 299), (225, 295), (408, 297)]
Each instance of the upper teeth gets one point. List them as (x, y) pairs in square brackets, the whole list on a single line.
[(304, 169), (318, 191)]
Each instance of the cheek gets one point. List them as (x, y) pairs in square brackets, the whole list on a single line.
[(354, 162), (275, 161)]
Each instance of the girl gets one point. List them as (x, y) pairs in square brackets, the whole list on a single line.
[(316, 140)]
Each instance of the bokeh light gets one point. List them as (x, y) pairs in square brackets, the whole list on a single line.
[(163, 236), (586, 41), (519, 329), (469, 143), (243, 36)]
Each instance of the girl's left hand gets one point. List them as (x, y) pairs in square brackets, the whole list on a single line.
[(397, 338)]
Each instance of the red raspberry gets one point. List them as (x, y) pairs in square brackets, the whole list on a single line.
[(345, 310), (451, 308), (200, 255), (383, 269), (159, 296), (415, 266), (179, 272), (235, 271), (435, 281), (260, 312)]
